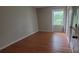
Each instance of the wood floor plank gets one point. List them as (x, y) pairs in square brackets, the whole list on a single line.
[(41, 42)]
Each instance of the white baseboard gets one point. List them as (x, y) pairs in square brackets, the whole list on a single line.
[(1, 48)]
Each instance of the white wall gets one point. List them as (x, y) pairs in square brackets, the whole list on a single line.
[(45, 19), (16, 23), (69, 15), (0, 24)]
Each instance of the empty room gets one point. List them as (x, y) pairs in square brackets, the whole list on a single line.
[(39, 29)]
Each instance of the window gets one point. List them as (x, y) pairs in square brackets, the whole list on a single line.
[(58, 17)]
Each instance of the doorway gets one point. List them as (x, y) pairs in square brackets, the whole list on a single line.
[(58, 17)]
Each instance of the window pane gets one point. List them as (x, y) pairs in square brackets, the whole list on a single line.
[(58, 17)]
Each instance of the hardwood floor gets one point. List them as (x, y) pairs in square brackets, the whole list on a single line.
[(41, 42)]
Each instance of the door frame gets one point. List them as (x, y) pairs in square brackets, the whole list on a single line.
[(64, 20)]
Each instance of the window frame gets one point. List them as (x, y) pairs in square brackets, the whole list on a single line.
[(53, 16)]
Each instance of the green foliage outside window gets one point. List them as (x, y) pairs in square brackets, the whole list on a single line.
[(58, 17)]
